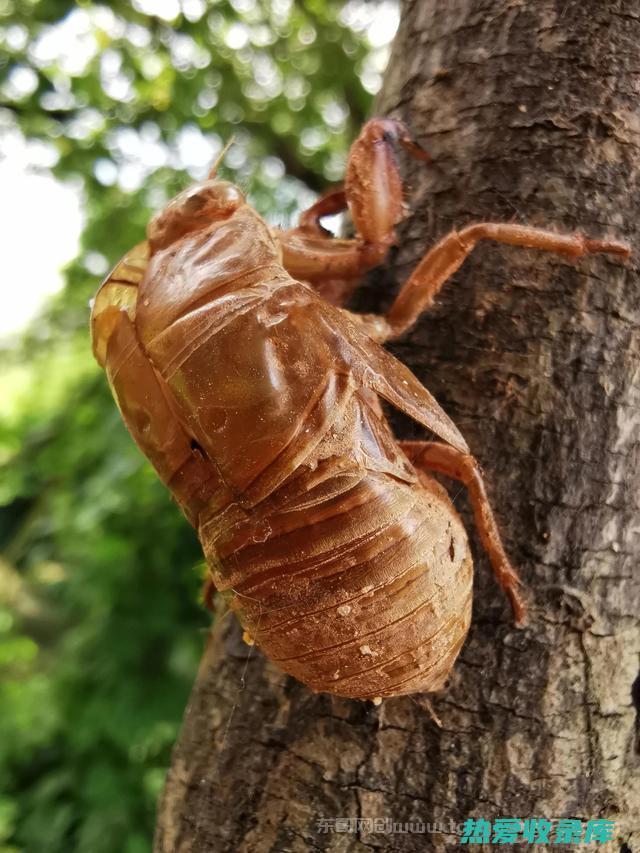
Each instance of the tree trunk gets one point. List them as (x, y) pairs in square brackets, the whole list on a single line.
[(530, 111)]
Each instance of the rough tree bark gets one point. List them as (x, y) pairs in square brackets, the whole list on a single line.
[(531, 113)]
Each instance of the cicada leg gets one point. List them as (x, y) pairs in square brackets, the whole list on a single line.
[(208, 593), (448, 255), (444, 459), (373, 195), (331, 203)]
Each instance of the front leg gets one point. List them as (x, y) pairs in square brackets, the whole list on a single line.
[(373, 195), (444, 459), (373, 186)]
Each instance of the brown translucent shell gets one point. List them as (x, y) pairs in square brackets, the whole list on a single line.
[(257, 403)]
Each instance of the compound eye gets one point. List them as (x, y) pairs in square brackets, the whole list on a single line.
[(193, 209), (195, 203), (214, 199), (224, 196)]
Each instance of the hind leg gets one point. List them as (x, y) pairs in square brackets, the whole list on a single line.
[(444, 459), (208, 593)]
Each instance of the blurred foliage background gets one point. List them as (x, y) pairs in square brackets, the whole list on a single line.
[(101, 626)]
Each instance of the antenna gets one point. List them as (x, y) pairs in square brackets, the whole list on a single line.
[(220, 158)]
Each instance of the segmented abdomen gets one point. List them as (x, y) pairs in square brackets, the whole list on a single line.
[(355, 576)]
